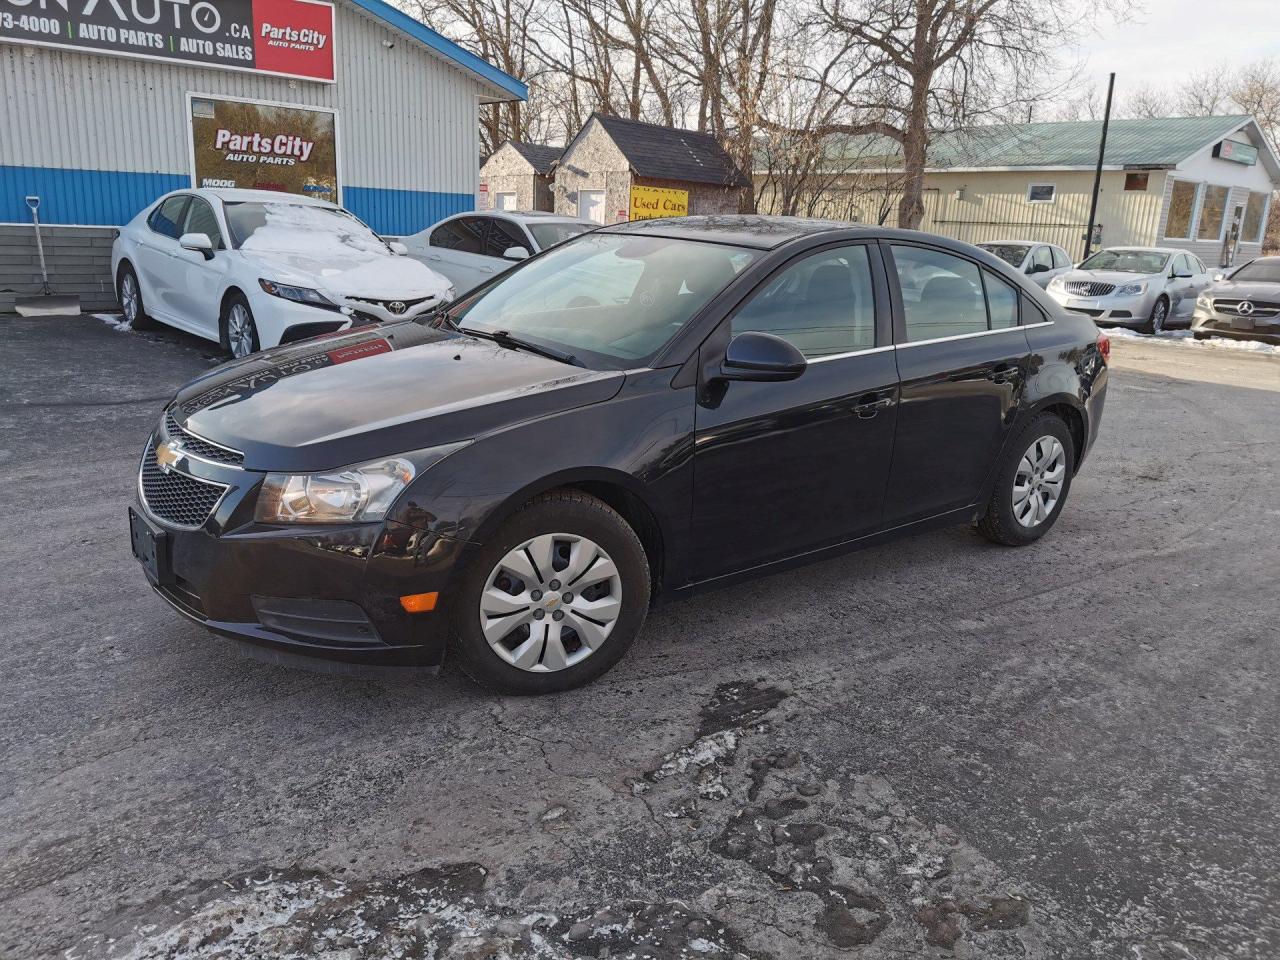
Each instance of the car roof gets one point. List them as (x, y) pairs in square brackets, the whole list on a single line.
[(227, 195), (742, 230), (1020, 243), (1164, 250), (524, 216)]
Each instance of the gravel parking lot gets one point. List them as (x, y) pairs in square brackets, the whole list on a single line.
[(933, 748)]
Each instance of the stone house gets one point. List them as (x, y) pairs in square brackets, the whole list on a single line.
[(616, 170), (518, 176)]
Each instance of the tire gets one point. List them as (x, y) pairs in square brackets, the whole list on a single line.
[(585, 533), (1000, 523), (1200, 335), (126, 276), (237, 329), (1159, 320)]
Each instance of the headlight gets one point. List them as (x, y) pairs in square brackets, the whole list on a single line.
[(297, 294), (354, 494), (1130, 289), (1057, 283), (1205, 301)]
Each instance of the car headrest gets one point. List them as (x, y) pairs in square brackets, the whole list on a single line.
[(709, 275), (830, 283), (948, 292)]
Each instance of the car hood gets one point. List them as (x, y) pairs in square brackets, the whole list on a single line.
[(353, 274), (342, 399), (1109, 276), (1246, 290)]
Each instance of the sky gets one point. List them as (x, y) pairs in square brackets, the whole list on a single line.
[(1169, 38)]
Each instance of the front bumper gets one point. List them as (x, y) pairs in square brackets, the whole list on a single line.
[(1208, 322), (327, 591), (1132, 310)]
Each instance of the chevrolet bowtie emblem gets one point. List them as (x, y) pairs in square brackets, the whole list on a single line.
[(167, 455)]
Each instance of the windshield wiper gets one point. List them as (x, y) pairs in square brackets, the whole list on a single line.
[(504, 338)]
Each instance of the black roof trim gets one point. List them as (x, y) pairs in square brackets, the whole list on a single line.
[(541, 156), (667, 153)]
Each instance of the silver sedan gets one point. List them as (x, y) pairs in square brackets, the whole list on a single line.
[(1149, 288)]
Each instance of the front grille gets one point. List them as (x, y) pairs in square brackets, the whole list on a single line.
[(199, 446), (1088, 288), (175, 497), (386, 304), (1261, 309)]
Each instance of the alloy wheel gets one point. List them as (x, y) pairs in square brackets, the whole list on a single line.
[(239, 331), (129, 297), (1158, 314), (551, 602), (1038, 482)]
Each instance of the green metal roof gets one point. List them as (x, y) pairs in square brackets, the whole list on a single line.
[(1164, 141)]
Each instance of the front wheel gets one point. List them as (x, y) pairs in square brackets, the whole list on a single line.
[(238, 330), (1031, 484), (554, 598), (1159, 317)]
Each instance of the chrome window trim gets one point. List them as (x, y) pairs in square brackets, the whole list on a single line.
[(851, 353), (968, 336)]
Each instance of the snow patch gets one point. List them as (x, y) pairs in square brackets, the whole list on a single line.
[(703, 752), (1186, 339), (319, 232), (387, 278), (115, 321)]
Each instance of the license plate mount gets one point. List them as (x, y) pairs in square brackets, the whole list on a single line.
[(150, 548), (1241, 323)]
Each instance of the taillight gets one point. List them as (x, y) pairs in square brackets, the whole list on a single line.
[(1104, 347)]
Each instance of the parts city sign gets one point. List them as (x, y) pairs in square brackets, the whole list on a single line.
[(292, 38)]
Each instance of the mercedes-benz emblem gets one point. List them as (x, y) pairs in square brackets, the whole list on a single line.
[(1244, 308), (397, 307)]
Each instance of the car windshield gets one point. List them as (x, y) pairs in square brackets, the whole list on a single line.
[(549, 234), (610, 299), (1127, 261), (1260, 271), (300, 228), (1011, 253)]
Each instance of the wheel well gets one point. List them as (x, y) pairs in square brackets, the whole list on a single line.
[(637, 513), (1075, 425)]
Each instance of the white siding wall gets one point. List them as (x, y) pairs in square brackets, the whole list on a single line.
[(407, 118)]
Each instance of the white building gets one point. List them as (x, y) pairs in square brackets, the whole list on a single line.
[(351, 100)]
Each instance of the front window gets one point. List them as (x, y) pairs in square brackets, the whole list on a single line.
[(1254, 219), (549, 234), (1011, 253), (1211, 213), (1260, 271), (1127, 261), (612, 300), (300, 228), (1182, 208)]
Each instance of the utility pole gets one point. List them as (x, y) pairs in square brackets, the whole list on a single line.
[(1097, 173)]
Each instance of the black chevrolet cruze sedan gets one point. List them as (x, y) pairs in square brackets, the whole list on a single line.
[(642, 412)]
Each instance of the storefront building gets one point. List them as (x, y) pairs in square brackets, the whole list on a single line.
[(107, 104)]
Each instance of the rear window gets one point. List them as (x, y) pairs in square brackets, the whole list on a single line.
[(549, 234), (1011, 253)]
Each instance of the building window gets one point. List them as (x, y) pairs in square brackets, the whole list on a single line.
[(1212, 210), (1041, 192), (1182, 209), (1137, 180), (1255, 219)]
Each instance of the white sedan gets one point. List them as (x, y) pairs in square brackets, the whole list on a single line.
[(472, 248), (252, 269), (1149, 288)]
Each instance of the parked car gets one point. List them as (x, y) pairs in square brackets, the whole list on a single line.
[(1149, 288), (1242, 305), (471, 248), (253, 269), (1039, 261), (530, 469)]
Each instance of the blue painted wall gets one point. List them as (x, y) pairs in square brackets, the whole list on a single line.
[(112, 198)]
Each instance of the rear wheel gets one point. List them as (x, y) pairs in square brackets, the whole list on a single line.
[(129, 295), (554, 598), (1032, 483), (239, 332)]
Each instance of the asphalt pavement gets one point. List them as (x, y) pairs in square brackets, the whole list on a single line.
[(932, 748)]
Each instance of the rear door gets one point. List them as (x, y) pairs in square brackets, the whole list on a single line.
[(157, 265), (962, 360), (784, 468)]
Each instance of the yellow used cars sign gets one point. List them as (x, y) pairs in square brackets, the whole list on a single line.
[(650, 202)]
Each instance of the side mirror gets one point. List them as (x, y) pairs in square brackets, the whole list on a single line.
[(197, 243), (1038, 268), (1219, 277), (515, 253), (398, 248), (1180, 276), (761, 357)]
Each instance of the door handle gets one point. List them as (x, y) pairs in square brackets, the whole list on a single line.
[(868, 406), (433, 256)]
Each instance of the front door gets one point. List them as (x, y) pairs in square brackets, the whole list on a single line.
[(962, 359), (504, 201), (196, 297), (784, 468), (591, 205)]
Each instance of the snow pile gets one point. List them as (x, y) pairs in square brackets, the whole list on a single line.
[(115, 321), (1184, 338), (387, 278), (319, 232)]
